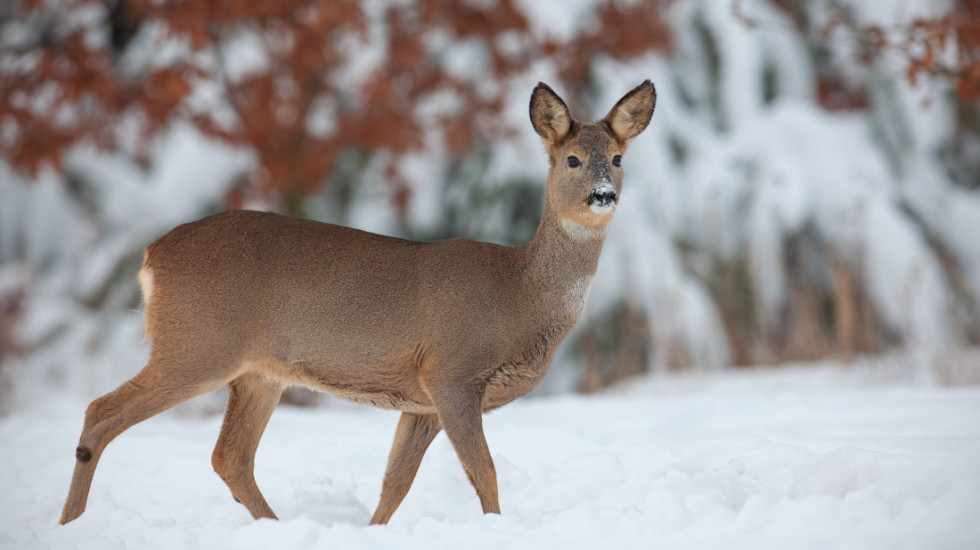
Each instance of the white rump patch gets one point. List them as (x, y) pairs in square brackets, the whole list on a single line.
[(145, 277)]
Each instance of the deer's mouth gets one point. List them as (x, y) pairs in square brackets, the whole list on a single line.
[(602, 200)]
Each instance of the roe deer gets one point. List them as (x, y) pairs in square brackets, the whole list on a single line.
[(441, 331)]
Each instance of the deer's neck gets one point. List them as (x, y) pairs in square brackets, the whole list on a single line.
[(561, 261)]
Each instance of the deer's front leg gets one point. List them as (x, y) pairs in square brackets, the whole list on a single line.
[(412, 437), (460, 409)]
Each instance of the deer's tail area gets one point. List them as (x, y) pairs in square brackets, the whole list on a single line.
[(145, 277)]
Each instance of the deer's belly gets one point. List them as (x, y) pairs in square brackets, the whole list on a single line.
[(390, 385), (384, 399)]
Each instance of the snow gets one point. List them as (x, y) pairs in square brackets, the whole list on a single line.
[(558, 22), (809, 456)]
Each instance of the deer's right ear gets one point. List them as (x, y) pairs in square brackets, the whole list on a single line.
[(549, 115)]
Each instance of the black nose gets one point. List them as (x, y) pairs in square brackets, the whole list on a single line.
[(602, 197)]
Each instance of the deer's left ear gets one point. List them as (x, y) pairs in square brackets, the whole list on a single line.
[(632, 113)]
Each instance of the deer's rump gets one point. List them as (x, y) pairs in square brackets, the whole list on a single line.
[(253, 288)]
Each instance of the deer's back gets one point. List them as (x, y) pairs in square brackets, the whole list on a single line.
[(257, 271)]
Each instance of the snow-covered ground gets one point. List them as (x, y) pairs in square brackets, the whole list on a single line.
[(800, 457)]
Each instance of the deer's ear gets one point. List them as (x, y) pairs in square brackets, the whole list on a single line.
[(632, 113), (549, 115)]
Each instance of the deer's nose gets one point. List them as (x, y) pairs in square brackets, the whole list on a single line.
[(604, 196)]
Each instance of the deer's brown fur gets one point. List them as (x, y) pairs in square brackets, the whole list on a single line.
[(441, 331)]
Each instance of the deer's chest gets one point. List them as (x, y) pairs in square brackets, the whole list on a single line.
[(522, 373)]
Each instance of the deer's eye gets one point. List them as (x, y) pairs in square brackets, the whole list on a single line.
[(574, 162), (617, 160)]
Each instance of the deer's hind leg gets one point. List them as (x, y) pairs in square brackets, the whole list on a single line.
[(251, 399), (162, 384)]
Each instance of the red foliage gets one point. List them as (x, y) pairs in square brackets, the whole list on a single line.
[(835, 93), (623, 30), (305, 43), (966, 23), (920, 41)]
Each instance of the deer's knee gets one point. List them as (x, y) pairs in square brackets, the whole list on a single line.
[(217, 462), (93, 438), (222, 466), (229, 465), (93, 430), (95, 412)]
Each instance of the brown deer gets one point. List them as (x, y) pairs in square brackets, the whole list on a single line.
[(441, 331)]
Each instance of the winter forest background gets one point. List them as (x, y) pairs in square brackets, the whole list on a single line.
[(809, 188)]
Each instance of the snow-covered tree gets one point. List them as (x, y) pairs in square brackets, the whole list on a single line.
[(808, 186)]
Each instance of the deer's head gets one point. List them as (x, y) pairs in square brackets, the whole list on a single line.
[(586, 175)]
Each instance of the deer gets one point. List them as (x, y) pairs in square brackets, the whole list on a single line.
[(441, 331)]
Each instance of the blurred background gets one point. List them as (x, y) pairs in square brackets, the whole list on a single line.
[(808, 190)]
